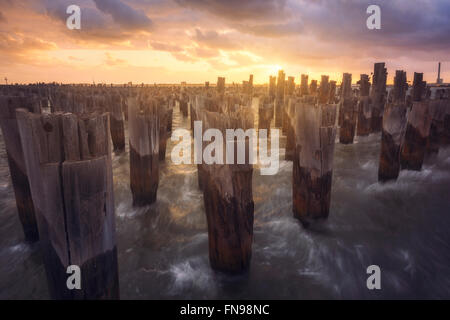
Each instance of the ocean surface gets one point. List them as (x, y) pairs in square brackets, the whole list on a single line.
[(403, 227)]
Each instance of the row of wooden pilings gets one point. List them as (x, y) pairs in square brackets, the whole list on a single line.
[(60, 159), (58, 145)]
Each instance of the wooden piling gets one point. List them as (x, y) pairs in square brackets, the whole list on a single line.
[(117, 122), (417, 129), (228, 199), (313, 164), (378, 96), (394, 123), (68, 159), (304, 85), (279, 101), (364, 108), (347, 111), (16, 162), (143, 126)]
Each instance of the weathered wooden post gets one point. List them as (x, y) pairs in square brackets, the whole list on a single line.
[(290, 134), (184, 105), (417, 129), (279, 101), (165, 115), (378, 96), (324, 91), (347, 111), (332, 86), (437, 126), (221, 86), (394, 123), (68, 160), (364, 107), (313, 87), (228, 199), (16, 162), (265, 110), (143, 126), (117, 122), (304, 85), (272, 87), (313, 163), (290, 87)]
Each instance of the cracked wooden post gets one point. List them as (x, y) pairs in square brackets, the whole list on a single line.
[(68, 158), (378, 96), (16, 161), (364, 108), (313, 162), (272, 87), (143, 126), (228, 199), (265, 111), (394, 123), (347, 111), (324, 91), (332, 98), (417, 129), (117, 122), (304, 91), (279, 101)]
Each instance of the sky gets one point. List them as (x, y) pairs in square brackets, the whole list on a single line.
[(170, 41)]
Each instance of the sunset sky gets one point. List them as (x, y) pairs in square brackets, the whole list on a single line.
[(198, 40)]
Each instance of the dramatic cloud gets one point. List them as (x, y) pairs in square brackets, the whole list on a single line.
[(213, 39), (238, 10), (201, 39), (124, 15)]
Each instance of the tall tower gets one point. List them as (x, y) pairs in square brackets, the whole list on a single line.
[(439, 80)]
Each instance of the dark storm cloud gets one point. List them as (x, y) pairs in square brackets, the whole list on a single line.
[(418, 24)]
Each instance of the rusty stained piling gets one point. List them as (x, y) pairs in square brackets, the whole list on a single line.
[(347, 111), (417, 128), (313, 162), (16, 161), (68, 158), (144, 128), (228, 199), (364, 107), (378, 96), (394, 123)]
